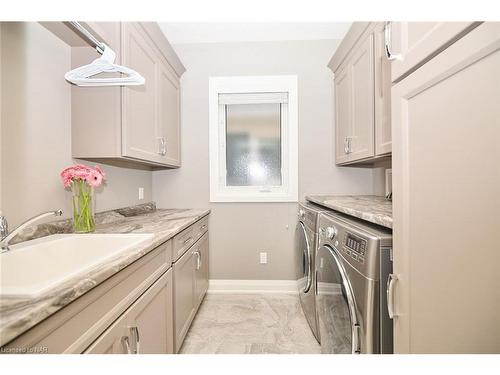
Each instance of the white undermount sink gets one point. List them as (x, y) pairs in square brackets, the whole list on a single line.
[(34, 267)]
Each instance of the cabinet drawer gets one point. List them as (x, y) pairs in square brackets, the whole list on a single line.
[(73, 328), (201, 226), (185, 239)]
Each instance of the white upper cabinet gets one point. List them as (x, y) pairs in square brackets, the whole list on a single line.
[(134, 124), (413, 43), (362, 96)]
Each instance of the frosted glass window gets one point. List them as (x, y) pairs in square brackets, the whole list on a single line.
[(253, 144)]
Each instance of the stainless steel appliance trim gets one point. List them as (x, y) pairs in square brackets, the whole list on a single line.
[(390, 294), (351, 302), (300, 225)]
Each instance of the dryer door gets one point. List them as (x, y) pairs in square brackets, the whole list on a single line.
[(303, 264), (337, 317)]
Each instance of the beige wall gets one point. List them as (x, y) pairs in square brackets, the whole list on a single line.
[(36, 129), (239, 231)]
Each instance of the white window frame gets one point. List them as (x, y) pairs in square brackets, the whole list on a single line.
[(288, 191)]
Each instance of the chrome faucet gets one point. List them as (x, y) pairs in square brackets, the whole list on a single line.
[(4, 228)]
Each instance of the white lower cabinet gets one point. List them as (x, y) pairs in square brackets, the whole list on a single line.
[(146, 308), (145, 327), (190, 287)]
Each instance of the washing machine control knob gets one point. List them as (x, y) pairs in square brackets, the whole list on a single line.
[(331, 232), (301, 214)]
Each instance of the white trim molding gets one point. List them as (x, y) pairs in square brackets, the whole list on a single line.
[(252, 286), (279, 89)]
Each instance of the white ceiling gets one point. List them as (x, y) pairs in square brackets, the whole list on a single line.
[(206, 32)]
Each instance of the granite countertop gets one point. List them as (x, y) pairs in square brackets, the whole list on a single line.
[(371, 208), (18, 314)]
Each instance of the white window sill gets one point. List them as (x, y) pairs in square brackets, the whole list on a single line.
[(253, 198)]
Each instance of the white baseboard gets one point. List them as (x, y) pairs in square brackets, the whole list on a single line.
[(252, 286)]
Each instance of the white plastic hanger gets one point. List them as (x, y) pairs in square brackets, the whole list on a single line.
[(105, 64)]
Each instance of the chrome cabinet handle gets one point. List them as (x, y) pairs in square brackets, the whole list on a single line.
[(126, 342), (137, 342), (203, 226), (164, 149), (388, 43), (390, 294), (188, 240), (162, 146), (348, 145), (198, 259), (135, 348)]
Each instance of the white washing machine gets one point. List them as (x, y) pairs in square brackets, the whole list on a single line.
[(353, 262)]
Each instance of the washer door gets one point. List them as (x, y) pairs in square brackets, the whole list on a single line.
[(338, 323), (303, 264)]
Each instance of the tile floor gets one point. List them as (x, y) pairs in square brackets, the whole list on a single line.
[(250, 323)]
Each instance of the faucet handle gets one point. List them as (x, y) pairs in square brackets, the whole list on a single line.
[(4, 227)]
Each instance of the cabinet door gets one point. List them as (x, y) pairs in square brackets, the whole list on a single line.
[(342, 92), (184, 308), (446, 176), (361, 66), (383, 137), (169, 115), (145, 327), (414, 42), (201, 269), (139, 103)]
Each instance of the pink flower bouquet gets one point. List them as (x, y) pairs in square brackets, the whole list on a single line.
[(82, 180)]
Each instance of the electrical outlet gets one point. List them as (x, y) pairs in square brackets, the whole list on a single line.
[(141, 193), (263, 258)]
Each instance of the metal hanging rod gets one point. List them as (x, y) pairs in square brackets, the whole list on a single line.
[(88, 35)]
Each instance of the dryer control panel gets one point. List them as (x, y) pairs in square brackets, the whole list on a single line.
[(355, 246), (357, 242)]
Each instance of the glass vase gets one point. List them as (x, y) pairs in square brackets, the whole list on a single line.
[(83, 207)]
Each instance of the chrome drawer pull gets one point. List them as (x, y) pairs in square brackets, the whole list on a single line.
[(188, 240)]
